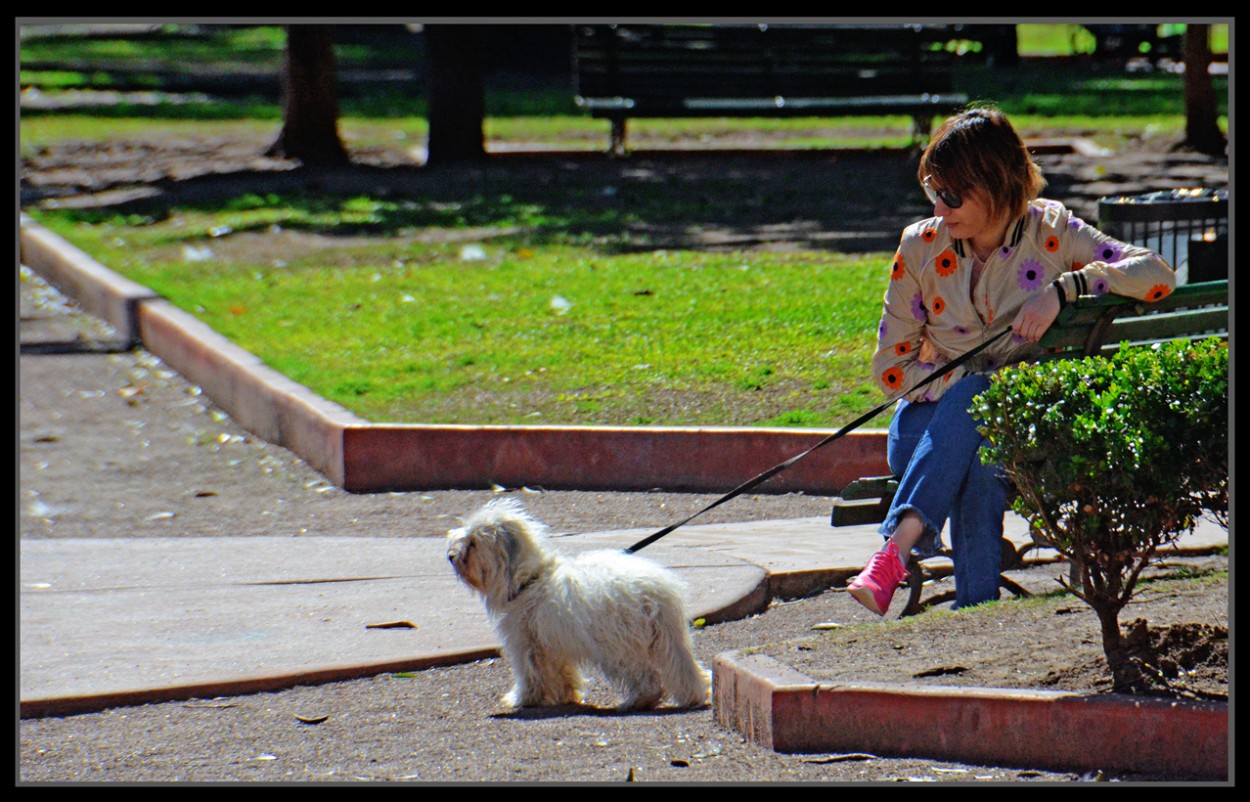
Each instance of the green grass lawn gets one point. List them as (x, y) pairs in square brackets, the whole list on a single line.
[(504, 332)]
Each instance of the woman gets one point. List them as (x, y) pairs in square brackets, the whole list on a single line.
[(993, 251)]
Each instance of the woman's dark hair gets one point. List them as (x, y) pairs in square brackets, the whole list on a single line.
[(980, 150)]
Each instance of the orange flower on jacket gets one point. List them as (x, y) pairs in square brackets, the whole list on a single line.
[(946, 262)]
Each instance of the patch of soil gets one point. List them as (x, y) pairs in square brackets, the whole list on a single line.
[(1046, 642)]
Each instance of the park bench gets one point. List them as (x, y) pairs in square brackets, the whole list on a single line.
[(639, 71), (1089, 326)]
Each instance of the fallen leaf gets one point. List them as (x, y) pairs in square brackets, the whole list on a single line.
[(472, 253), (312, 720), (828, 625), (205, 493), (191, 253), (392, 625), (842, 758), (940, 671)]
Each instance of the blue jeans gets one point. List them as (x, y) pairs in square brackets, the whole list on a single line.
[(934, 447)]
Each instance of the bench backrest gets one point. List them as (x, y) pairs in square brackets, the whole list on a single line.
[(1099, 324), (663, 64)]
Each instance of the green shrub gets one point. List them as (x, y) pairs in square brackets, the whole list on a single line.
[(1113, 458)]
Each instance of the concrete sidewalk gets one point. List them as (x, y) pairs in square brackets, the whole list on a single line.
[(125, 621)]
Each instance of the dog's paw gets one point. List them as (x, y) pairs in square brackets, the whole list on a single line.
[(647, 702), (693, 704)]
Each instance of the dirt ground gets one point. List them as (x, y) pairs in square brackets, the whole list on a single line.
[(116, 445)]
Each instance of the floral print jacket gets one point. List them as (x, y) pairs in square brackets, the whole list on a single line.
[(931, 316)]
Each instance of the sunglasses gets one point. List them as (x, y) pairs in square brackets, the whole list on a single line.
[(951, 199)]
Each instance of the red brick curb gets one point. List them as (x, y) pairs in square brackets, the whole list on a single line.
[(366, 457), (98, 290), (780, 708)]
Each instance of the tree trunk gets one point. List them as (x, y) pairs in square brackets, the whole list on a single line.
[(310, 101), (1202, 130), (457, 95)]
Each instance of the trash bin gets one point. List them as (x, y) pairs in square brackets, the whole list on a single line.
[(1188, 227)]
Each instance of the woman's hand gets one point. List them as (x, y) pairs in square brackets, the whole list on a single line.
[(1036, 315)]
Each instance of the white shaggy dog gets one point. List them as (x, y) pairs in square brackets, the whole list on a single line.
[(556, 614)]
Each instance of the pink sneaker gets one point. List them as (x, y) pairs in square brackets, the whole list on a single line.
[(875, 585)]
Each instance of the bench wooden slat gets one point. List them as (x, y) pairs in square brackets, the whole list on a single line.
[(870, 487), (1168, 325), (1192, 310), (856, 512)]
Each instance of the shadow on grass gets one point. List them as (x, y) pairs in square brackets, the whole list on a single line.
[(832, 200)]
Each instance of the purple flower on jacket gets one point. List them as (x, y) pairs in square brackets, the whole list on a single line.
[(1030, 275), (881, 329), (1075, 223), (1015, 338), (925, 366), (917, 307), (1109, 251), (1005, 252), (1099, 287), (961, 329)]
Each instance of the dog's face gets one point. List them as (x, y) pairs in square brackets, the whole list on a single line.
[(494, 545), (469, 554)]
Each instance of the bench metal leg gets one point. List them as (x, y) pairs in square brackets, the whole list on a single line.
[(922, 125), (616, 143), (918, 574)]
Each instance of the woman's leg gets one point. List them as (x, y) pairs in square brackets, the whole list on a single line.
[(907, 427), (874, 587), (976, 535), (946, 450), (936, 445)]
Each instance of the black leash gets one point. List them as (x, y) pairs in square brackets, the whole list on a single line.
[(776, 469)]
